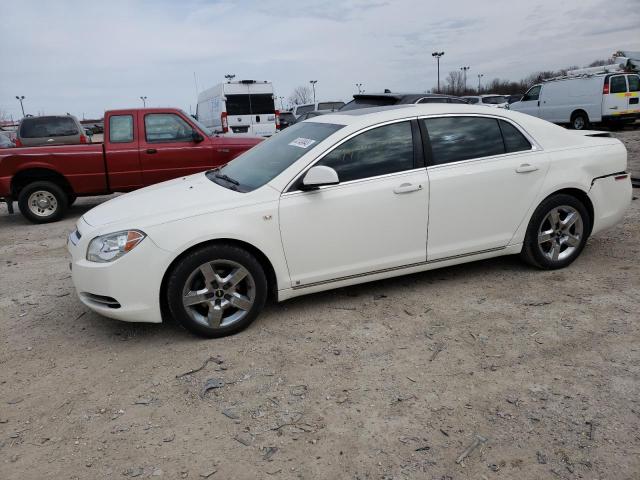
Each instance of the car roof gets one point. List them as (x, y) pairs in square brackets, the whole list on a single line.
[(402, 96)]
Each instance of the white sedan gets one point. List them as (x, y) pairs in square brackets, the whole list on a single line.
[(344, 199)]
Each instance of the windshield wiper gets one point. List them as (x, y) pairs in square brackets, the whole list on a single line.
[(222, 176)]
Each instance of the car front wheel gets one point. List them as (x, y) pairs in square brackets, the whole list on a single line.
[(557, 232), (217, 290)]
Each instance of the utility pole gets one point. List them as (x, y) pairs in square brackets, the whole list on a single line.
[(480, 75), (313, 85), (229, 77), (359, 87), (465, 69), (437, 55), (144, 101), (20, 99)]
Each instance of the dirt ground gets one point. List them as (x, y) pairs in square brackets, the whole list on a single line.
[(387, 380)]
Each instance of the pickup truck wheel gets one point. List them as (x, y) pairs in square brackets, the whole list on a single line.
[(42, 202), (217, 290)]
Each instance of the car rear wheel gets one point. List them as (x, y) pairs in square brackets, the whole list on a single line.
[(557, 232), (217, 290), (579, 121), (42, 202)]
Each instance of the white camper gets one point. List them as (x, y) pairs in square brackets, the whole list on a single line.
[(240, 107), (585, 97)]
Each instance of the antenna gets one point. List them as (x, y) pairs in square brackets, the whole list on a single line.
[(195, 81)]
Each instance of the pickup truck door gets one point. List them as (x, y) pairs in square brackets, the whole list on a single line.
[(121, 152), (168, 149)]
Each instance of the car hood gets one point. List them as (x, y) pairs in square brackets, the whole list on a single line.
[(164, 202)]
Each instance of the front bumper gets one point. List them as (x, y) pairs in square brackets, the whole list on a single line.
[(126, 289)]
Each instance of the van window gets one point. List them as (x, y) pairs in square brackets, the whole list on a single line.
[(461, 138), (48, 127), (262, 103), (532, 94), (514, 141), (634, 83), (121, 128), (618, 84), (238, 105)]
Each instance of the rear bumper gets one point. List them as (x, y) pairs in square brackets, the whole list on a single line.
[(610, 197), (621, 117)]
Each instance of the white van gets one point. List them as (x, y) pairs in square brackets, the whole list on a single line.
[(240, 107), (312, 107), (584, 99)]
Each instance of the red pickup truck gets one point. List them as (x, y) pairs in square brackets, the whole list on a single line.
[(141, 147)]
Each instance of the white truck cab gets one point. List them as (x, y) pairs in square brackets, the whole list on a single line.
[(586, 98), (244, 107)]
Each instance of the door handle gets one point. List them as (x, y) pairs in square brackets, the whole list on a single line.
[(407, 188), (152, 150), (525, 168)]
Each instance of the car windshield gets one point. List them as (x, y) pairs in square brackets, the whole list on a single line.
[(366, 102), (494, 100), (204, 129), (39, 127), (268, 159)]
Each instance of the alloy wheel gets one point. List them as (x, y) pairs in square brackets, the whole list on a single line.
[(219, 293), (560, 233)]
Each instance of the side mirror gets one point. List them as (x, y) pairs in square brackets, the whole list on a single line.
[(319, 176), (196, 137)]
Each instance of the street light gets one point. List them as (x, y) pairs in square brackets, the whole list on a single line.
[(144, 101), (480, 75), (359, 86), (229, 77), (313, 85), (464, 69), (20, 99), (438, 55)]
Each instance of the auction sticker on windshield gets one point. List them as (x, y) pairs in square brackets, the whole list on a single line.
[(302, 142)]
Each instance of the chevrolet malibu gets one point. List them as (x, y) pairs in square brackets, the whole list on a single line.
[(343, 199)]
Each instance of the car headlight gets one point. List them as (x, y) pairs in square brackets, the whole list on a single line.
[(112, 246)]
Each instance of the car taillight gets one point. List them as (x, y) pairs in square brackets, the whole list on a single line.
[(605, 89), (83, 139), (225, 122), (18, 143), (277, 119)]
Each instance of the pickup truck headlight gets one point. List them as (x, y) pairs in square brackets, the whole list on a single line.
[(112, 246)]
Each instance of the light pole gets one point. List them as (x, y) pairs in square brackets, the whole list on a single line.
[(480, 75), (144, 101), (229, 77), (313, 85), (359, 86), (20, 99), (465, 69), (438, 55)]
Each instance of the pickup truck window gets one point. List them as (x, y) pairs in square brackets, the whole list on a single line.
[(121, 128), (166, 127)]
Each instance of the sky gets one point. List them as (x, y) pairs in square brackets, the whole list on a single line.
[(85, 57)]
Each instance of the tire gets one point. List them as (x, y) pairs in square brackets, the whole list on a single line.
[(71, 199), (548, 246), (42, 202), (579, 120), (224, 308)]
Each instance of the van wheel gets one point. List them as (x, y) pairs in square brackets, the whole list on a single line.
[(217, 290), (557, 232), (42, 202), (579, 121)]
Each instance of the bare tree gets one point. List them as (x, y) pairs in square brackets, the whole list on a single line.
[(454, 83), (300, 96)]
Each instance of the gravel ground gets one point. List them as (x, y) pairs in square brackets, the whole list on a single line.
[(383, 380)]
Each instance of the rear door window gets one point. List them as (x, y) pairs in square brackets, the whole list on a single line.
[(238, 105), (121, 128), (454, 139), (514, 140), (166, 127), (618, 84), (634, 83), (48, 127), (262, 103)]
